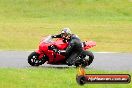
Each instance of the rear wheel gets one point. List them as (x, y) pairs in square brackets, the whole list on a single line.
[(86, 58)]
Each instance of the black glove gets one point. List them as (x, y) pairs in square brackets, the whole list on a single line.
[(52, 36)]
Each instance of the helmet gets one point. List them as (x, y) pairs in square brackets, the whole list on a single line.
[(66, 32)]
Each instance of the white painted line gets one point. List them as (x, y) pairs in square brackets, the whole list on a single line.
[(107, 52)]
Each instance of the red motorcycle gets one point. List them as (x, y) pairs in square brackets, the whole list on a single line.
[(46, 53)]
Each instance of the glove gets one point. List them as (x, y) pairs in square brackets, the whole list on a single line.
[(52, 36)]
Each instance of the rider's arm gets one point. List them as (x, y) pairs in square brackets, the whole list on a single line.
[(67, 51), (56, 36)]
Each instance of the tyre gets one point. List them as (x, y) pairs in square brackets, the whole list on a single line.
[(86, 58), (89, 57), (33, 59)]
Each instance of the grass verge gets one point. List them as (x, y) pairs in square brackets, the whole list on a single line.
[(111, 36), (51, 78)]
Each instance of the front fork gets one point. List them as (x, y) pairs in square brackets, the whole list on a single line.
[(41, 54)]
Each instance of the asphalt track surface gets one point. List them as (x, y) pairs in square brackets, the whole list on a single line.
[(102, 61)]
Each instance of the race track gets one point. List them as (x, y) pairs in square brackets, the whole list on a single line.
[(102, 61)]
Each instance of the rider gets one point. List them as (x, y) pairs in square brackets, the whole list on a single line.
[(74, 45), (65, 35)]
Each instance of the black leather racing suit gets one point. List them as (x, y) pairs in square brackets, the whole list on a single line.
[(74, 48)]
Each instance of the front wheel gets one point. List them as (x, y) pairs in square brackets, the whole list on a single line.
[(33, 59)]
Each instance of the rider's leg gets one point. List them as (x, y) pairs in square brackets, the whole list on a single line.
[(72, 58), (72, 54)]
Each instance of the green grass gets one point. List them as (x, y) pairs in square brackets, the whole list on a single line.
[(51, 78), (66, 9), (110, 36), (24, 22)]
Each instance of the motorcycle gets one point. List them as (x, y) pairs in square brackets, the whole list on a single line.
[(46, 53)]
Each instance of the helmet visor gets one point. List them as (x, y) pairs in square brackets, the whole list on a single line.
[(64, 35)]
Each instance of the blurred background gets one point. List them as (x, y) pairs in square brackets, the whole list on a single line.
[(108, 22)]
